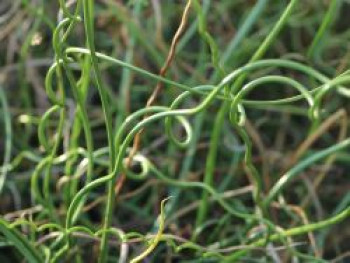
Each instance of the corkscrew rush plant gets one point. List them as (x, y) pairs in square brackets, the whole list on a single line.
[(237, 134)]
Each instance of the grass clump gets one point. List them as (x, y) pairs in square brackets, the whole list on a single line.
[(174, 131)]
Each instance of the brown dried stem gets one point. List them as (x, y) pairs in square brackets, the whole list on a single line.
[(156, 91)]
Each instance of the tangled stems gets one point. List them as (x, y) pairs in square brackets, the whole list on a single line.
[(265, 63), (216, 95), (62, 61), (79, 89), (219, 120), (214, 120), (281, 183), (320, 155), (293, 232), (88, 6), (164, 112), (149, 168), (46, 200), (210, 161), (237, 117), (264, 80)]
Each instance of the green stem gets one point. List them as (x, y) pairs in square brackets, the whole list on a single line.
[(292, 232), (216, 132), (282, 182)]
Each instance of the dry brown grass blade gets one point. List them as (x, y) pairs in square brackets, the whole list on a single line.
[(156, 91)]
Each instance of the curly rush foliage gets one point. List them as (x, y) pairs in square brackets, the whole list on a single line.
[(209, 87)]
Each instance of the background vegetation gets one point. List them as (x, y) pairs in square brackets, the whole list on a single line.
[(174, 131)]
